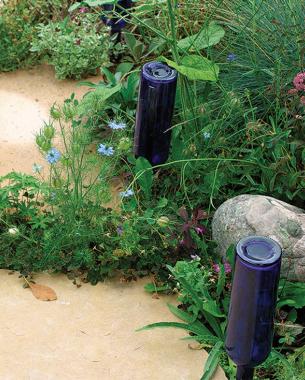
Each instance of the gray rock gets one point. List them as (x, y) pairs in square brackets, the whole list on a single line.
[(247, 215)]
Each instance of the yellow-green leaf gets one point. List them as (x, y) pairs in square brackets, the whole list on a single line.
[(195, 67)]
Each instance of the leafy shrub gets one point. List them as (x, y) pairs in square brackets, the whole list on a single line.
[(74, 46), (18, 19), (204, 295)]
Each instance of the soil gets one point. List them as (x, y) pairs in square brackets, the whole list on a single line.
[(88, 333)]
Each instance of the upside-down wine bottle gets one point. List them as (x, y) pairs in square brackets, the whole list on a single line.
[(154, 112), (116, 23), (252, 306)]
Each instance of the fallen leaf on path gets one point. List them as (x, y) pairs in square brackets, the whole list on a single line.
[(42, 292), (195, 346)]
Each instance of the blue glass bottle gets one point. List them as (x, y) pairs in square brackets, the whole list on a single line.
[(253, 300), (116, 24), (154, 113)]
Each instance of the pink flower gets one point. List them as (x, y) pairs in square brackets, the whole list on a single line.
[(302, 99), (292, 91), (200, 230), (227, 266), (83, 10), (299, 81), (216, 268)]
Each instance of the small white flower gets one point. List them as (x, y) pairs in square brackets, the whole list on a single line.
[(116, 125), (127, 193), (206, 135), (13, 231)]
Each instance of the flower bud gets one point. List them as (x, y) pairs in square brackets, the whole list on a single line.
[(124, 144), (49, 131), (163, 221), (13, 231), (55, 113)]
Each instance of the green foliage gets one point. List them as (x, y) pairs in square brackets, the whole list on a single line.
[(237, 128), (291, 294), (198, 285), (74, 46), (200, 308), (18, 19), (144, 175), (209, 35), (195, 67)]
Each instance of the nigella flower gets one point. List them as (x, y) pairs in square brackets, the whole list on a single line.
[(206, 135), (127, 193), (231, 57), (114, 125), (52, 196), (120, 230), (36, 168), (53, 156), (299, 81), (105, 151)]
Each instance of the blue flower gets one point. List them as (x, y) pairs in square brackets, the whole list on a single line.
[(114, 125), (52, 196), (53, 156), (104, 151), (206, 135), (127, 193), (231, 57), (120, 230), (37, 168)]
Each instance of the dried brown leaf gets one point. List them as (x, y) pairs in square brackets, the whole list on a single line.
[(42, 292)]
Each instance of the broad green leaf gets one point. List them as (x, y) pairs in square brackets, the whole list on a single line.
[(188, 327), (186, 317), (212, 361), (221, 280), (124, 67), (285, 302), (94, 100), (209, 35), (144, 175), (162, 203), (74, 6), (230, 256), (97, 3), (212, 308), (195, 67), (91, 3), (152, 288), (292, 294)]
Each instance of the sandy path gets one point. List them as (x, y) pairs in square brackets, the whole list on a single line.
[(89, 334), (25, 100)]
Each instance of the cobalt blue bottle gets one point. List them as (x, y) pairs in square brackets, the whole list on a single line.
[(154, 113), (116, 24), (253, 301)]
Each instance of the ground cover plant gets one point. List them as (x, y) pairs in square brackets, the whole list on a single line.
[(18, 21), (238, 128)]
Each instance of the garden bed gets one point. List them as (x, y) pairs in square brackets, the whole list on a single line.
[(134, 163)]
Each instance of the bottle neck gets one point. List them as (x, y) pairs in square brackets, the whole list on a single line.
[(244, 373)]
